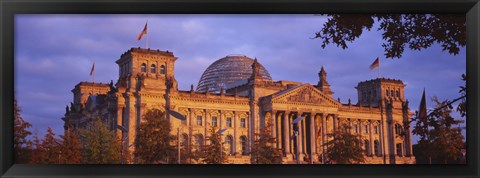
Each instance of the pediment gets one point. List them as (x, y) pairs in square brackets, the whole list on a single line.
[(306, 94)]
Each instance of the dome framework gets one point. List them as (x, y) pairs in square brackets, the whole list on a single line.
[(226, 71)]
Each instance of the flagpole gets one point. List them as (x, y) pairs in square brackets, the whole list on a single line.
[(146, 41)]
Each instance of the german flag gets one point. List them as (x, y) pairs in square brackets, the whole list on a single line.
[(144, 31)]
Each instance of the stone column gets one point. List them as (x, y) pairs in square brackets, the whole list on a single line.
[(235, 135), (286, 133), (290, 133), (303, 136), (324, 135), (274, 127), (334, 120), (204, 122), (312, 136), (278, 136), (372, 146), (350, 125), (120, 121), (220, 122)]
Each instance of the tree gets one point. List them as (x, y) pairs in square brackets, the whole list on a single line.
[(38, 152), (418, 31), (21, 133), (344, 147), (153, 143), (71, 148), (263, 151), (186, 154), (440, 136), (100, 145), (462, 106), (214, 153), (51, 148)]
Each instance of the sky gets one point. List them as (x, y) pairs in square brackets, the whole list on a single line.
[(53, 53)]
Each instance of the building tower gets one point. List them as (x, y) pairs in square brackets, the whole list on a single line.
[(388, 96), (373, 92), (145, 68), (146, 77), (323, 84)]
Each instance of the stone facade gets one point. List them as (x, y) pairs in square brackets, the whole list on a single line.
[(147, 80)]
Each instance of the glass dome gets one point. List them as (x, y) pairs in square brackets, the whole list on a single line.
[(226, 71)]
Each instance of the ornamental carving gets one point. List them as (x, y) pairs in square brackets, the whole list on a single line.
[(305, 96)]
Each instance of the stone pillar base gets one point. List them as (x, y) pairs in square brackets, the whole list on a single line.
[(315, 158), (289, 156)]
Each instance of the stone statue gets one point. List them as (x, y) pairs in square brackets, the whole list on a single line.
[(256, 68)]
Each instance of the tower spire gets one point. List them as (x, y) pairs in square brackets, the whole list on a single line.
[(322, 83)]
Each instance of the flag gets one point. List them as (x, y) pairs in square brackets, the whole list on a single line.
[(422, 110), (93, 68), (375, 64), (144, 31)]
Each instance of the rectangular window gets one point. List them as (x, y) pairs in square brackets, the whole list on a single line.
[(229, 122), (375, 129), (242, 123), (399, 149), (365, 128), (356, 128), (214, 121), (199, 120)]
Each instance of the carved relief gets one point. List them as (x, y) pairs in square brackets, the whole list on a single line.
[(305, 96)]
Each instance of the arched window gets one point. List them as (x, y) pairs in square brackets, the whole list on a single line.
[(386, 91), (199, 142), (153, 68), (398, 93), (391, 93), (184, 141), (376, 146), (162, 69), (229, 142), (243, 143), (367, 147), (143, 67)]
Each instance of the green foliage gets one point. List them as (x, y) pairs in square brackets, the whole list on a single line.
[(214, 153), (344, 147), (153, 143), (418, 31), (71, 146), (20, 134), (263, 151), (100, 145), (440, 136)]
